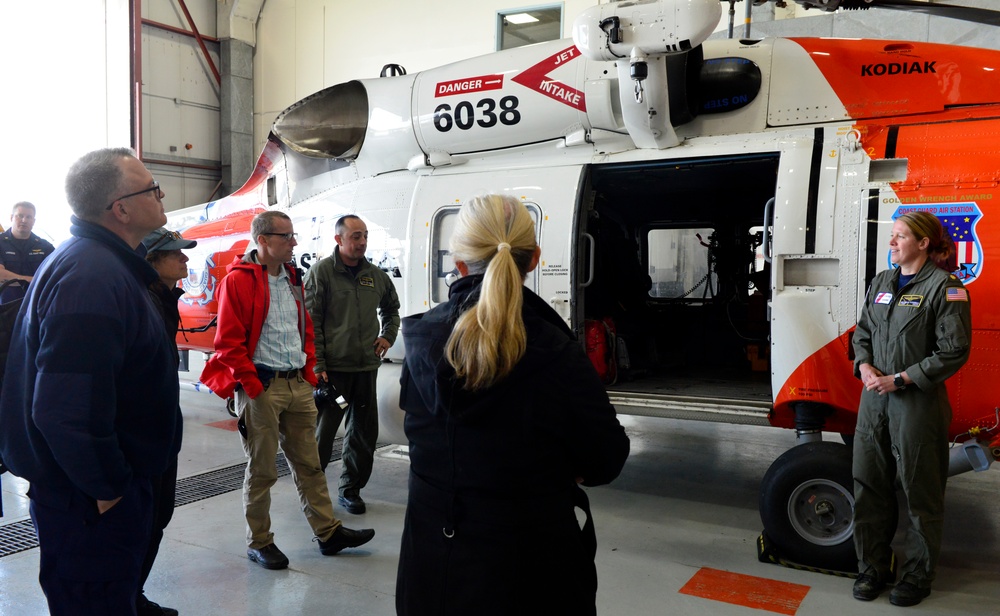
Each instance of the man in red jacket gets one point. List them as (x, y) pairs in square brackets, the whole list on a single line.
[(264, 356)]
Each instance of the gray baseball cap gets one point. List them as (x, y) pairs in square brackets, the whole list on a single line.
[(163, 239)]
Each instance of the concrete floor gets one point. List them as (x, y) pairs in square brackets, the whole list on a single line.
[(683, 512)]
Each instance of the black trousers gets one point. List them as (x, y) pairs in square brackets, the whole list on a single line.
[(90, 562), (164, 494), (361, 414)]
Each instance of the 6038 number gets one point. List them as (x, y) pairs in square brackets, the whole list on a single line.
[(464, 116)]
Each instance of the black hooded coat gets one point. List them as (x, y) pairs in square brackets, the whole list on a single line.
[(491, 524)]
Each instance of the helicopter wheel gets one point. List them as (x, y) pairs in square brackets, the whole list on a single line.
[(807, 506)]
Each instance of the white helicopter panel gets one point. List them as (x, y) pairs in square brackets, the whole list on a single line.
[(389, 140), (549, 193)]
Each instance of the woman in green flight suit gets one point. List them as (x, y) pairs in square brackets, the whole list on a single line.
[(914, 332)]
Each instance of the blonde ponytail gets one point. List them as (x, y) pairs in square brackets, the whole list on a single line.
[(495, 236)]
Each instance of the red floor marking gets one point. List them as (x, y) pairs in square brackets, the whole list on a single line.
[(746, 590), (226, 424)]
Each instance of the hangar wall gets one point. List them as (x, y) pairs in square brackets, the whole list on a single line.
[(180, 110)]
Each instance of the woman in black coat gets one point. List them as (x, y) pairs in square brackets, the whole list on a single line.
[(506, 417), (163, 252)]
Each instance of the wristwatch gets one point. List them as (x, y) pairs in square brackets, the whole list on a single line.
[(898, 381)]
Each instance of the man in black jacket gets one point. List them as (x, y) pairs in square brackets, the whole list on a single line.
[(89, 408)]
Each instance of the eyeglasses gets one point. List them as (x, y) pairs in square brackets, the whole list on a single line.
[(288, 236), (155, 186), (169, 236)]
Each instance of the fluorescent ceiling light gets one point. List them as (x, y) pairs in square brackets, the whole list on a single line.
[(520, 18)]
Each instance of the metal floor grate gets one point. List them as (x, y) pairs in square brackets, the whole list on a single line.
[(17, 537), (20, 536)]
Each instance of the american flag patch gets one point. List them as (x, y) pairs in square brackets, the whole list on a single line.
[(955, 294)]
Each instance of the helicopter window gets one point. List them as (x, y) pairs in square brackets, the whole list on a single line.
[(272, 190), (518, 27), (679, 263), (442, 265)]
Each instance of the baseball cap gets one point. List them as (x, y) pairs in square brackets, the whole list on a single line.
[(163, 239)]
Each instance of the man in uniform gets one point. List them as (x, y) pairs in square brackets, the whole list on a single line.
[(356, 314), (21, 251)]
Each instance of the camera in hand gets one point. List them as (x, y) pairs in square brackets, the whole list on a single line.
[(326, 393)]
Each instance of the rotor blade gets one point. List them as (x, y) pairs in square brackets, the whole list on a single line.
[(986, 17)]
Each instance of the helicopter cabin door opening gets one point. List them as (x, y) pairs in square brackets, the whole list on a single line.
[(675, 305)]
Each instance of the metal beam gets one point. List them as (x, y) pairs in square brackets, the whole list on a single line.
[(162, 26), (135, 36), (201, 41)]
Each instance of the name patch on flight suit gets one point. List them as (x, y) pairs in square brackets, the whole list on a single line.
[(367, 281), (883, 298), (913, 301)]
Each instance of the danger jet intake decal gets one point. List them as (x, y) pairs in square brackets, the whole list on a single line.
[(537, 79), (468, 84)]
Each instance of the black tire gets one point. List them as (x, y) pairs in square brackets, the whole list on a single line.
[(807, 506), (231, 407)]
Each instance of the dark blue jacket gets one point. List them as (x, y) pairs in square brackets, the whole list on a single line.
[(21, 258), (90, 396)]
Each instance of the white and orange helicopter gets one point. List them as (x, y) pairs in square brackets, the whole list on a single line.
[(710, 214)]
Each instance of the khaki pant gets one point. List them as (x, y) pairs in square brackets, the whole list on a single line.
[(283, 414)]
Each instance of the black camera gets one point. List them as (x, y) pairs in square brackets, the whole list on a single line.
[(326, 394)]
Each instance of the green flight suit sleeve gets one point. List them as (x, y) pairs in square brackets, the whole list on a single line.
[(388, 311)]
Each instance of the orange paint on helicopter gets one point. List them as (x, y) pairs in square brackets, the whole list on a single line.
[(878, 79)]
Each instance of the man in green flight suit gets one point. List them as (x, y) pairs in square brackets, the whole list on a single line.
[(355, 311)]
